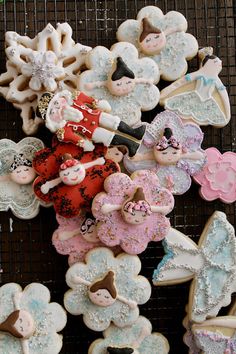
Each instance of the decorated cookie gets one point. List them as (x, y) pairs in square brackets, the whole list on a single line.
[(218, 177), (49, 62), (28, 321), (200, 96), (69, 177), (76, 236), (171, 149), (135, 339), (125, 81), (211, 265), (188, 337), (17, 176), (81, 120), (106, 289), (162, 38), (131, 211)]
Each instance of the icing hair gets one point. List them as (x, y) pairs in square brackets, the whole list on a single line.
[(68, 161), (147, 29), (87, 223), (19, 160), (106, 283), (113, 350), (138, 203), (168, 140), (121, 70), (207, 57), (8, 324)]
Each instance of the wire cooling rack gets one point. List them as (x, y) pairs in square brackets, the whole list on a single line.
[(26, 251)]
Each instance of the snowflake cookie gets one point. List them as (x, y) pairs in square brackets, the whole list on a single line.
[(106, 289), (17, 176), (211, 265), (131, 212), (171, 149), (120, 77), (162, 38), (135, 339), (28, 321), (49, 62)]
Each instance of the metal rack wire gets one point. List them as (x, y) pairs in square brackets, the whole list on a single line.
[(26, 251)]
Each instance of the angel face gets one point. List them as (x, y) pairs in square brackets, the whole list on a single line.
[(24, 324), (136, 213), (73, 175), (23, 175), (56, 109), (122, 87), (153, 43), (101, 297), (169, 156)]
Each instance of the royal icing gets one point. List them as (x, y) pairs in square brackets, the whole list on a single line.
[(211, 265), (162, 38), (131, 212)]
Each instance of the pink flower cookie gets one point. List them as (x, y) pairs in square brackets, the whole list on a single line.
[(76, 236), (131, 211), (218, 177)]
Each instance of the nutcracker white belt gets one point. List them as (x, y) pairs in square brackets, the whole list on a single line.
[(79, 128)]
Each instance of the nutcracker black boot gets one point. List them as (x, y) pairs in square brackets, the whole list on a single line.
[(131, 145), (136, 133)]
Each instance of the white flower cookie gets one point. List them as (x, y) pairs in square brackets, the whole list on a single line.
[(120, 77), (211, 264), (106, 289), (28, 321), (135, 339), (162, 38)]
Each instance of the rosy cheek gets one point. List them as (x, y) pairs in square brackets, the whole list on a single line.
[(64, 178)]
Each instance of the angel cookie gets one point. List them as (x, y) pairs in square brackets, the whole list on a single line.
[(125, 81), (69, 177), (17, 176), (28, 321), (171, 149), (131, 212), (49, 62), (162, 38), (200, 96), (82, 120), (106, 289), (211, 264), (218, 177), (135, 339)]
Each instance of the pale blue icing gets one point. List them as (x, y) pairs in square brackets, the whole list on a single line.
[(168, 256)]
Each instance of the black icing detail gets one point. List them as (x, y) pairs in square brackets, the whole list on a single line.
[(126, 350), (122, 70), (88, 222), (167, 133), (19, 160)]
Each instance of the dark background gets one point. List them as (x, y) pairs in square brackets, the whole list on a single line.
[(26, 251)]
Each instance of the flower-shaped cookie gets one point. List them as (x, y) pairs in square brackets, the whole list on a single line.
[(132, 211), (120, 77), (172, 149), (135, 339), (49, 62), (69, 177), (211, 264), (76, 236), (106, 289), (162, 38), (218, 177), (17, 176), (28, 321)]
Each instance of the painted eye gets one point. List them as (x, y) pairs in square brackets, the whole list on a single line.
[(51, 111), (128, 82), (174, 152), (77, 170), (57, 104), (19, 171), (157, 36), (20, 319), (98, 294), (119, 84), (66, 173), (106, 297), (21, 328), (26, 170), (164, 153), (148, 40)]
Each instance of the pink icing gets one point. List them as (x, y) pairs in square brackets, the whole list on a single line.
[(218, 177), (114, 230)]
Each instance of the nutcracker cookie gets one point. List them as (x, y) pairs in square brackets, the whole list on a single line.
[(69, 177), (17, 176), (218, 177), (125, 81), (135, 339), (172, 149), (49, 62), (161, 38), (200, 96), (28, 321), (106, 289), (132, 211), (82, 120), (211, 264)]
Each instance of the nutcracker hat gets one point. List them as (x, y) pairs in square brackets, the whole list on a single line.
[(46, 101)]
